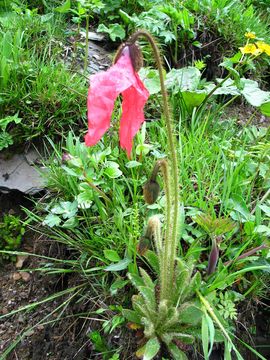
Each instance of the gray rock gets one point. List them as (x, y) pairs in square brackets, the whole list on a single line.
[(18, 173)]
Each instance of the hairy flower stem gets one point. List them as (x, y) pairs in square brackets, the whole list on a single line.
[(171, 236), (164, 257)]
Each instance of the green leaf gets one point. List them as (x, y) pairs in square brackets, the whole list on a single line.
[(265, 209), (227, 350), (67, 209), (190, 314), (63, 9), (52, 220), (263, 229), (133, 164), (71, 223), (112, 170), (131, 316), (176, 353), (5, 140), (193, 98), (211, 329), (111, 255), (265, 108), (153, 260), (185, 79), (252, 93), (121, 265), (117, 285), (4, 122), (205, 337), (151, 349), (115, 31), (150, 78)]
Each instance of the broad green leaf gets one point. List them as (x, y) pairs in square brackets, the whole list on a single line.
[(111, 255), (265, 108), (121, 265), (252, 93), (63, 9), (190, 314), (115, 31), (133, 164), (193, 98), (227, 88), (112, 172), (151, 349), (150, 78), (143, 149), (185, 79)]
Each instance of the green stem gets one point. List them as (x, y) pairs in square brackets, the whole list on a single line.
[(228, 102), (171, 242)]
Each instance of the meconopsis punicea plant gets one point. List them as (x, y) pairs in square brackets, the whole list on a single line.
[(167, 305)]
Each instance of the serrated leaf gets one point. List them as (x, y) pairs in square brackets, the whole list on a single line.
[(52, 220)]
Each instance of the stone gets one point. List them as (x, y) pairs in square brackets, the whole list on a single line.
[(18, 173)]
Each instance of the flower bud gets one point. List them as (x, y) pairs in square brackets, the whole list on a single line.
[(151, 191), (213, 258), (66, 157)]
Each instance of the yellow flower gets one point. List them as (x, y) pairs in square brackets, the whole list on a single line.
[(263, 47), (250, 35), (249, 49)]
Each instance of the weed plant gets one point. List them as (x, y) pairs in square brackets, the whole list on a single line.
[(33, 83)]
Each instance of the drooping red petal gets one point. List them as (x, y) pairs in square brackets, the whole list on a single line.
[(104, 89), (134, 99)]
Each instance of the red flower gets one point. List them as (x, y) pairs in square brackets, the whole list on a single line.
[(104, 89)]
